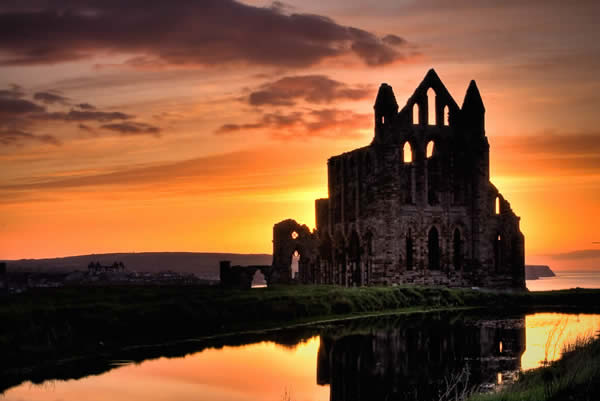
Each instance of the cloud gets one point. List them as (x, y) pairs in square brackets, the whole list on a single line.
[(15, 137), (13, 92), (310, 88), (393, 40), (87, 128), (133, 128), (50, 98), (324, 123), (578, 255), (181, 32), (84, 115), (20, 118), (13, 106)]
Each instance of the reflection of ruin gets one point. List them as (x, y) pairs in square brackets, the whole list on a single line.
[(414, 206), (414, 359)]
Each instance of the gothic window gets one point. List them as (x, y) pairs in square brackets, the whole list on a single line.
[(498, 252), (433, 248), (431, 107), (407, 153), (415, 114), (497, 205), (446, 116), (430, 146)]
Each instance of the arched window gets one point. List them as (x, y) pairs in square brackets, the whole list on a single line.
[(457, 247), (433, 248), (446, 116), (409, 252), (498, 252), (295, 264), (497, 205), (407, 153), (415, 114), (430, 146), (431, 117)]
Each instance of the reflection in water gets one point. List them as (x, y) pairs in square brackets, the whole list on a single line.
[(548, 333), (399, 358), (416, 361)]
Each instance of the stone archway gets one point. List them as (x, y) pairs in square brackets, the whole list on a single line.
[(290, 237)]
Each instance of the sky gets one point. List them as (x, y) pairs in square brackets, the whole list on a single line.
[(196, 125)]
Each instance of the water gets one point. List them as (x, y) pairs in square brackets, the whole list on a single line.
[(405, 358), (565, 280)]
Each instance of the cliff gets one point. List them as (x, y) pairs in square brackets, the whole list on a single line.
[(533, 272)]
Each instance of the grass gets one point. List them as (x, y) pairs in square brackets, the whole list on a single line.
[(576, 376), (48, 324)]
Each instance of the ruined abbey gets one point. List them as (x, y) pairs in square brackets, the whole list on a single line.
[(416, 206)]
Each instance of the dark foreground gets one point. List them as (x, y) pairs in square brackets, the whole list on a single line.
[(44, 333), (576, 376)]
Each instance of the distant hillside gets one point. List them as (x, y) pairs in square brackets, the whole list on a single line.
[(533, 272), (203, 265)]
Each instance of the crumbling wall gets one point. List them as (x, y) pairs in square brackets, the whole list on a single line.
[(290, 237)]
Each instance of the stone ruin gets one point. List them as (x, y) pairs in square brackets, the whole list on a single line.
[(416, 206)]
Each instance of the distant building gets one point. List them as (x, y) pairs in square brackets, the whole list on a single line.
[(415, 206), (96, 267)]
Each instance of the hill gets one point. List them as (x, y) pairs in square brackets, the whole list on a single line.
[(203, 265)]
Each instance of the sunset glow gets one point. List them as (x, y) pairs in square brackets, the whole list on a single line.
[(179, 133)]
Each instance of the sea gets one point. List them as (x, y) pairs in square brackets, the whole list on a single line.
[(566, 279)]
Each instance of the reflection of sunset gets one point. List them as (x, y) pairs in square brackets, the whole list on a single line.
[(266, 371), (263, 371), (548, 333)]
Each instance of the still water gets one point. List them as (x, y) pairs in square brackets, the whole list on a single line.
[(393, 357)]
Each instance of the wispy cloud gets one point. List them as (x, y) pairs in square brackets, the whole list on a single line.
[(300, 125), (22, 118), (132, 128), (287, 91)]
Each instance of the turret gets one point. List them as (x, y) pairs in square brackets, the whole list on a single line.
[(473, 111), (386, 110)]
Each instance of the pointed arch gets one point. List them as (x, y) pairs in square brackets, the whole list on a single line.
[(431, 110), (430, 149), (433, 248), (446, 116), (497, 205), (407, 153), (415, 114), (498, 252)]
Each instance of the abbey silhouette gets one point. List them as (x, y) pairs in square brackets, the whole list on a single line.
[(415, 206)]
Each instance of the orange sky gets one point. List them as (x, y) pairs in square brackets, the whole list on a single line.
[(197, 126)]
